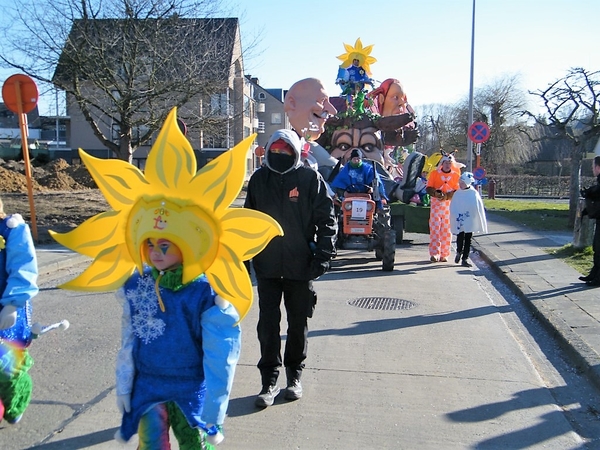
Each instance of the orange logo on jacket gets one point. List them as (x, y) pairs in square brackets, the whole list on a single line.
[(294, 194)]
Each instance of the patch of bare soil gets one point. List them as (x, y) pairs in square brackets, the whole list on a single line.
[(63, 197)]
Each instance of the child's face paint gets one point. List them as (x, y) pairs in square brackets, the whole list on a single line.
[(163, 254)]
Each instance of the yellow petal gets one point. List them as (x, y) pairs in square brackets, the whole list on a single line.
[(119, 181), (219, 183), (231, 281), (171, 163), (367, 50), (248, 231), (95, 234), (108, 272)]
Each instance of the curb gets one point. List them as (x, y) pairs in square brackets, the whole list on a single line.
[(581, 354), (61, 264)]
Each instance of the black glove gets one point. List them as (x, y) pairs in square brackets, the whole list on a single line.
[(318, 267)]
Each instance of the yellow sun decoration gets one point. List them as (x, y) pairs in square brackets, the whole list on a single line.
[(363, 54), (172, 200)]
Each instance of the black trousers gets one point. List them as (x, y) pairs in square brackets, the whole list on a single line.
[(463, 244), (595, 272), (299, 300)]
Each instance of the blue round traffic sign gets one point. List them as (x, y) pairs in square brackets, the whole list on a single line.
[(479, 132), (479, 173)]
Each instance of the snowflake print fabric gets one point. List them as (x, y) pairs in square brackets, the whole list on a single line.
[(145, 307)]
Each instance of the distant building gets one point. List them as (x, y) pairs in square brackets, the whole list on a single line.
[(232, 111)]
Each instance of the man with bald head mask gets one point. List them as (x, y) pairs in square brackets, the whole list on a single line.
[(307, 106)]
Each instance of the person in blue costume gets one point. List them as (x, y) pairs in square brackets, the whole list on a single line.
[(173, 248), (18, 284), (358, 177), (173, 369)]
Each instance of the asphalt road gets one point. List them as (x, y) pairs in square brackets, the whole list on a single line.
[(455, 363)]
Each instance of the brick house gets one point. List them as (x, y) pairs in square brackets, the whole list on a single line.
[(230, 110)]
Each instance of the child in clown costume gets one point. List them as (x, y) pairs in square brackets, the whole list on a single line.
[(174, 250), (441, 185), (18, 284)]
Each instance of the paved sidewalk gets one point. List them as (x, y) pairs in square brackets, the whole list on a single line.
[(550, 287)]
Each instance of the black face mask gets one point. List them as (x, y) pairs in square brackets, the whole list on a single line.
[(280, 162)]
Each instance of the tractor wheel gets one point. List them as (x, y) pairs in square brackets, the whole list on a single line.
[(370, 244), (378, 253), (389, 250), (398, 224)]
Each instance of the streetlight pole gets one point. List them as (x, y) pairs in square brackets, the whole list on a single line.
[(470, 119)]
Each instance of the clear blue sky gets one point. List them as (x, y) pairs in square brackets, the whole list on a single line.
[(426, 44)]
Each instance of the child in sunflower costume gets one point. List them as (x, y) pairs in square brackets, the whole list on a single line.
[(174, 250), (18, 285)]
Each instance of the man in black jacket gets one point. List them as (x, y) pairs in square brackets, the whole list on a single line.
[(593, 193), (296, 196)]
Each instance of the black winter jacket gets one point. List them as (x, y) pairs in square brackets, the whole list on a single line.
[(299, 201)]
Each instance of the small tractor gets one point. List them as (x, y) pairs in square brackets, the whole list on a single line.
[(364, 226)]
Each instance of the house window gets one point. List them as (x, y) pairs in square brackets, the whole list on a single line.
[(261, 96), (276, 118), (247, 103), (219, 104), (261, 127)]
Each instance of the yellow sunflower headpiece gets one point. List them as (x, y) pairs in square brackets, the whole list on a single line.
[(363, 54), (171, 200)]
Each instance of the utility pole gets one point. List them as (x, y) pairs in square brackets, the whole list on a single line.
[(470, 120)]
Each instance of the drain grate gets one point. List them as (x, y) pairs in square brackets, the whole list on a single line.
[(382, 303)]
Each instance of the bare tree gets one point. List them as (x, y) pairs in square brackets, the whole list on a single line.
[(501, 105), (572, 105), (437, 125), (126, 63)]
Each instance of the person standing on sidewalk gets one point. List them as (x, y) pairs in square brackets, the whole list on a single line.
[(18, 285), (441, 185), (467, 216), (174, 249), (592, 209), (295, 196)]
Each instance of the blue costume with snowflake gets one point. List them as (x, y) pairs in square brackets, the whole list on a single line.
[(185, 355), (18, 285)]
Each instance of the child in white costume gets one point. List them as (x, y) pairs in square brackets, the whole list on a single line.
[(467, 216)]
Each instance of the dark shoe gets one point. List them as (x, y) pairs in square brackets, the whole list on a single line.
[(293, 390), (586, 278), (443, 259), (466, 263), (16, 420), (457, 258), (266, 397)]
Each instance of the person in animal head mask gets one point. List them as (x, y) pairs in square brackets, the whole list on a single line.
[(296, 196), (441, 186)]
